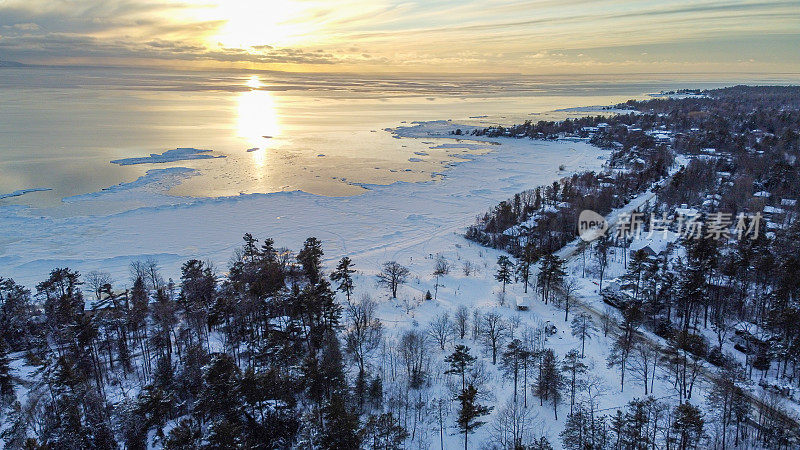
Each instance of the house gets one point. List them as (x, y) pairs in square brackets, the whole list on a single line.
[(653, 246)]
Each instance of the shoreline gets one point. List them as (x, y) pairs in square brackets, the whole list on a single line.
[(382, 216)]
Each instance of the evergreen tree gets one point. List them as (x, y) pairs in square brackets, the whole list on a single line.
[(383, 432), (310, 258), (505, 271), (512, 362), (470, 412), (551, 275), (16, 313), (529, 257), (7, 394), (549, 382), (341, 425), (583, 328), (460, 361), (573, 367), (342, 275), (688, 424)]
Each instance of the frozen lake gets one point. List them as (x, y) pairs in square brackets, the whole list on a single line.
[(60, 128)]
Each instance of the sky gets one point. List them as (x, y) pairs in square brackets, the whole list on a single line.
[(397, 36)]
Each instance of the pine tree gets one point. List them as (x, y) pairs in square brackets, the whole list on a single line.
[(383, 432), (549, 382), (573, 367), (460, 361), (505, 271), (7, 394), (551, 275), (341, 425), (469, 413), (575, 435), (15, 313), (342, 276), (310, 258), (512, 362), (688, 424), (529, 257)]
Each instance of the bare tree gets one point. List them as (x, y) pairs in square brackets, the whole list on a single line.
[(568, 289), (392, 276), (607, 320), (468, 268), (138, 269), (96, 280), (414, 356), (494, 331), (643, 363), (153, 270), (583, 328), (364, 331), (441, 267), (477, 317), (440, 329), (460, 321), (513, 426)]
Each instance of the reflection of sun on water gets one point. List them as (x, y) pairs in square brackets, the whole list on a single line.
[(258, 117)]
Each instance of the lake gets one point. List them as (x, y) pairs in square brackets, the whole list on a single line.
[(60, 128)]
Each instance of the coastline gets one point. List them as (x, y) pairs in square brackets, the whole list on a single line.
[(383, 219)]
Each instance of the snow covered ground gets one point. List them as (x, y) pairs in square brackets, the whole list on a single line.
[(385, 222), (411, 223)]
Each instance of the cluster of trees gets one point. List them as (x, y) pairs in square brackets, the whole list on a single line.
[(546, 217), (257, 358), (261, 357), (740, 141)]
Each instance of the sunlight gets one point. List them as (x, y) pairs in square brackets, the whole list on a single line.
[(257, 120), (254, 82), (266, 22)]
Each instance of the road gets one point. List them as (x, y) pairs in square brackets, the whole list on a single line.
[(573, 249)]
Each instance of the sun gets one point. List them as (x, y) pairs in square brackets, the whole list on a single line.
[(254, 82), (261, 23)]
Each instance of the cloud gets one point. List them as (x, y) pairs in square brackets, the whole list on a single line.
[(380, 34)]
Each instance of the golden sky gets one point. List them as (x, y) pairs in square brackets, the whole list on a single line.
[(435, 36)]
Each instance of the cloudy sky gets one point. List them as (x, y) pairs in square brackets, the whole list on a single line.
[(441, 36)]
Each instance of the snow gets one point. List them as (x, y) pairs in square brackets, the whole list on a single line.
[(178, 154), (658, 242), (22, 192), (373, 225), (410, 223)]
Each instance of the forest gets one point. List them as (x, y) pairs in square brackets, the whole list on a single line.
[(518, 336)]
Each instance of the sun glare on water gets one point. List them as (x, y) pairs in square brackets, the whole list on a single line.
[(257, 120)]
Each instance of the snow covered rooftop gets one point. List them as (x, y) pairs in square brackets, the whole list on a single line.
[(657, 243)]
